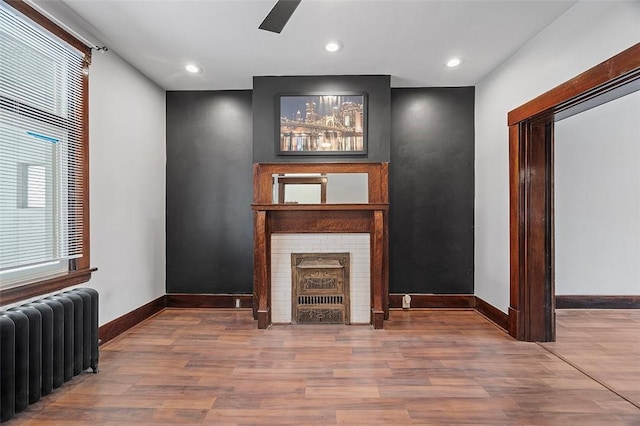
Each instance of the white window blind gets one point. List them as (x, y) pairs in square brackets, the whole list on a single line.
[(41, 138)]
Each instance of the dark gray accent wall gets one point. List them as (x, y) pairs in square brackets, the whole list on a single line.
[(265, 96), (431, 184), (209, 192), (429, 142)]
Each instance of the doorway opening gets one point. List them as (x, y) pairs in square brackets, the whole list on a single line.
[(531, 187)]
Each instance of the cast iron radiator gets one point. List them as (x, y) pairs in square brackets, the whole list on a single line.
[(44, 344)]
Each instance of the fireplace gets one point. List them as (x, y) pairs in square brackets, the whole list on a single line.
[(303, 221), (320, 288)]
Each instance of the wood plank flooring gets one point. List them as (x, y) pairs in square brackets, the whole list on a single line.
[(204, 366), (605, 344)]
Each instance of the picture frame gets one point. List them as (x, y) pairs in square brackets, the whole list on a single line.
[(325, 124)]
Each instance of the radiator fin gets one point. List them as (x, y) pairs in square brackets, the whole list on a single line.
[(45, 343)]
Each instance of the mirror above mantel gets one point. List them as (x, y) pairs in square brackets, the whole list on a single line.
[(320, 183), (320, 188)]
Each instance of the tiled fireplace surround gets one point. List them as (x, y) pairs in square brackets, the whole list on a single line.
[(282, 229), (357, 245)]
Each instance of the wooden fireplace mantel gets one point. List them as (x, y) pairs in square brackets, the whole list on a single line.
[(370, 218)]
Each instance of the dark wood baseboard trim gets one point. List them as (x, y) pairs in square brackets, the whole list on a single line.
[(493, 314), (121, 324), (454, 301), (434, 300), (175, 300), (597, 302), (445, 301)]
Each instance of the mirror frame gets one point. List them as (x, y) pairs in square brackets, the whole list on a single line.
[(378, 178), (283, 181)]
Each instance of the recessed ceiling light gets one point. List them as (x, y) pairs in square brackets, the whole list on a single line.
[(333, 46), (193, 68), (453, 62)]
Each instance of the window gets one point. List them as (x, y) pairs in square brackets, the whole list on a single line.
[(43, 155), (32, 186)]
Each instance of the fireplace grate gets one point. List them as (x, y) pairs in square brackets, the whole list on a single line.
[(320, 300), (320, 315)]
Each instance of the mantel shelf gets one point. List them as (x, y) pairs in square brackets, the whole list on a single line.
[(320, 207)]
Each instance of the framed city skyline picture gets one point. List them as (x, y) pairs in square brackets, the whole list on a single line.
[(322, 124)]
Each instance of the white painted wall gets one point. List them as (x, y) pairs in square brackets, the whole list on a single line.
[(128, 158), (585, 35), (597, 200)]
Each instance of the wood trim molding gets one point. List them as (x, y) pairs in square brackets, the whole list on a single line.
[(418, 301), (377, 262), (263, 177), (118, 326), (612, 73), (261, 269), (50, 26), (445, 301), (121, 324), (175, 300), (22, 292), (597, 302), (323, 221), (319, 207), (283, 181), (492, 313), (453, 301), (114, 328), (531, 174)]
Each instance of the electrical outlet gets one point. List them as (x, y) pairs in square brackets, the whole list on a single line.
[(237, 303), (406, 301)]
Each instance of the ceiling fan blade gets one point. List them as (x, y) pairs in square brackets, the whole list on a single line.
[(279, 15)]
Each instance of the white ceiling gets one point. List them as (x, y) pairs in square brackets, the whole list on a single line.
[(409, 40)]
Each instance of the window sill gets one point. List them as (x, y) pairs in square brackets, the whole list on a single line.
[(25, 291)]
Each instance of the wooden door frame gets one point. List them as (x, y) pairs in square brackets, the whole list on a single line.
[(531, 175)]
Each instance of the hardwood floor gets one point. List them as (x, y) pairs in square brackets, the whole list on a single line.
[(605, 344), (193, 366)]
